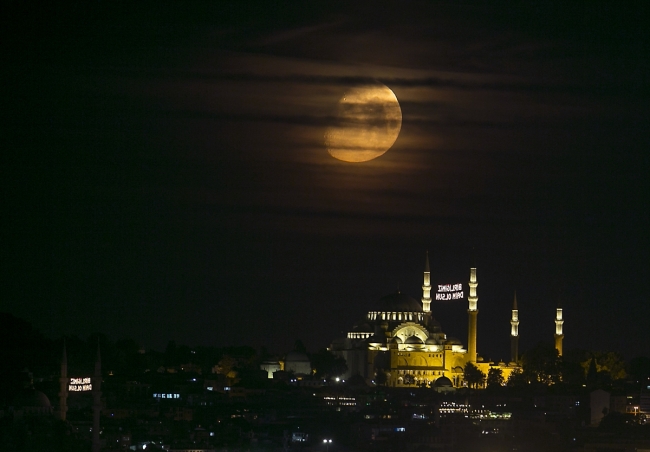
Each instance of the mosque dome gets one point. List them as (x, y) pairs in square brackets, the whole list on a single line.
[(434, 326), (31, 398), (297, 362), (398, 302), (295, 356), (413, 340), (431, 341), (397, 340)]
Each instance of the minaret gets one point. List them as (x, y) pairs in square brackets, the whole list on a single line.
[(97, 400), (472, 312), (514, 332), (558, 329), (63, 385), (426, 287)]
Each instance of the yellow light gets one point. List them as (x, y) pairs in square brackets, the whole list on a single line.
[(368, 123)]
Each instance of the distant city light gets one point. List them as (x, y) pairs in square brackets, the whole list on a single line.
[(166, 396)]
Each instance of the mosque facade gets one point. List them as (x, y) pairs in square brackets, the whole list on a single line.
[(399, 343)]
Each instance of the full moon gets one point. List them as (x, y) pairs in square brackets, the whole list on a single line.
[(367, 124)]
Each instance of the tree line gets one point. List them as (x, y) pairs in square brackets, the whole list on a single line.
[(543, 366)]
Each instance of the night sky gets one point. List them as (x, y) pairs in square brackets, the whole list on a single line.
[(164, 174)]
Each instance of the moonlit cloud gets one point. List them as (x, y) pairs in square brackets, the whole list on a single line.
[(177, 170)]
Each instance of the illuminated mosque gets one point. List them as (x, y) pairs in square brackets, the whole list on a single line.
[(401, 343)]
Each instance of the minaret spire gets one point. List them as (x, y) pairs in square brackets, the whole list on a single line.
[(63, 385), (559, 335), (426, 286), (97, 400), (472, 312), (514, 332)]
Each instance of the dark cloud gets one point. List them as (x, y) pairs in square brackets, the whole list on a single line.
[(166, 176), (460, 82)]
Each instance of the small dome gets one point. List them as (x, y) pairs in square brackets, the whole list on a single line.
[(296, 357), (443, 382), (397, 340), (453, 341), (362, 328), (433, 325), (413, 340), (31, 398), (431, 341), (398, 302)]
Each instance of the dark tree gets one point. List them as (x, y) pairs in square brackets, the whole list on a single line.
[(610, 366), (542, 364), (473, 376), (227, 366), (495, 378), (381, 378), (571, 367), (592, 372), (327, 365), (170, 354), (357, 380), (616, 422), (516, 379), (300, 347)]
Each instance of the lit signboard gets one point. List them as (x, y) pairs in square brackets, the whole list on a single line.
[(80, 384), (449, 292)]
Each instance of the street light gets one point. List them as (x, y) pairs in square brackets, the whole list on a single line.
[(327, 443)]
